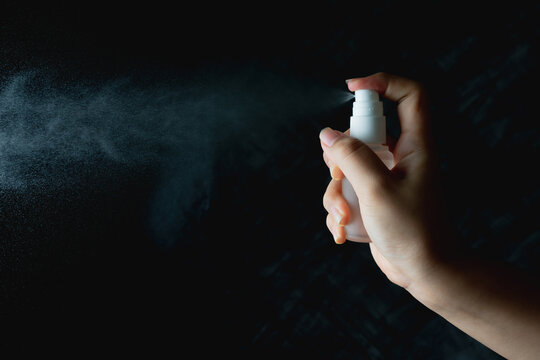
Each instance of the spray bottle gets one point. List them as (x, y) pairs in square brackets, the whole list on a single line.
[(368, 124)]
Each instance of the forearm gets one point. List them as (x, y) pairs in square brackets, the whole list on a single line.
[(493, 303)]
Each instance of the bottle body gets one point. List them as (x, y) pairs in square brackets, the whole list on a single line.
[(355, 230), (368, 124)]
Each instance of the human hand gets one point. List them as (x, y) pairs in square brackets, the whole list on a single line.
[(410, 239), (400, 208)]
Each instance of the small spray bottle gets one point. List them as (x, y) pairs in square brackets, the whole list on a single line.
[(368, 124)]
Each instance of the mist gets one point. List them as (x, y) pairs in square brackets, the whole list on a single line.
[(175, 128)]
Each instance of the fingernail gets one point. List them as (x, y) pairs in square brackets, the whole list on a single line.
[(336, 239), (329, 136), (347, 81), (338, 216), (334, 172)]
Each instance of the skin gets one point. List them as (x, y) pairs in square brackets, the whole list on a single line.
[(410, 237)]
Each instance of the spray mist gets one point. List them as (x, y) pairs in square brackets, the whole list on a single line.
[(368, 124)]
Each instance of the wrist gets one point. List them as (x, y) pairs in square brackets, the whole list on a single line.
[(441, 262), (427, 289), (455, 284), (432, 288)]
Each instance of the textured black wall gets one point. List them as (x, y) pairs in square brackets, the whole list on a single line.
[(251, 268)]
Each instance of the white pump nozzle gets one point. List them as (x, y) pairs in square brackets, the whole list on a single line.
[(368, 123)]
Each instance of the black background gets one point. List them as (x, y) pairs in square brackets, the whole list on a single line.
[(255, 270)]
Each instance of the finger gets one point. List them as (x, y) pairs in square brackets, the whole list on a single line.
[(361, 166), (338, 232), (335, 204), (327, 160), (347, 132), (391, 142), (335, 171), (412, 103)]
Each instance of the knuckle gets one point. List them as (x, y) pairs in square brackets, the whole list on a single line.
[(417, 87), (329, 222), (330, 196), (346, 147), (325, 201), (382, 75), (419, 93)]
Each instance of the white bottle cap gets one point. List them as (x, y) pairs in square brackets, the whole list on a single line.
[(368, 123)]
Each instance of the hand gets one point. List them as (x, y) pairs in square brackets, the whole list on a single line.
[(400, 208), (409, 239)]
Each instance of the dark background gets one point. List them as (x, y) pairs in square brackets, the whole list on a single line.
[(254, 270)]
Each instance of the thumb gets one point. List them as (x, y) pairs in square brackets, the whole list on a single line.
[(364, 170)]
